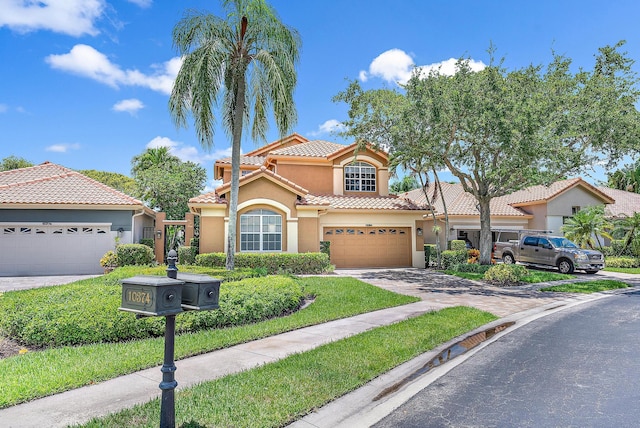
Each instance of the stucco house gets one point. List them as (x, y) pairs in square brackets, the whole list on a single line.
[(536, 207), (295, 193), (56, 221)]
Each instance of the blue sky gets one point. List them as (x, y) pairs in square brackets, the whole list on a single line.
[(85, 83)]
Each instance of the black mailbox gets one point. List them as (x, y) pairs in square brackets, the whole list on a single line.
[(200, 292), (152, 295)]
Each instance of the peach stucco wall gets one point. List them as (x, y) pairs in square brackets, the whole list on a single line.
[(315, 178)]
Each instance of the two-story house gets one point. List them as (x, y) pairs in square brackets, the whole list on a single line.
[(295, 193)]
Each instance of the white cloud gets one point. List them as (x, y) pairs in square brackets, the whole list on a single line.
[(86, 61), (72, 17), (141, 3), (130, 106), (187, 153), (395, 65), (328, 127), (63, 148)]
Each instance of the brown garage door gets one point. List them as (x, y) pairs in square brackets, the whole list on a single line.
[(369, 246)]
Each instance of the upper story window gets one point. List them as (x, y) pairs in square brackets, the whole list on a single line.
[(260, 230), (359, 177)]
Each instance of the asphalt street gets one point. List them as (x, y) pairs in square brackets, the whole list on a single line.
[(575, 368)]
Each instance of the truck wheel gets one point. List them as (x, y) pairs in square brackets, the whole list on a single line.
[(507, 259), (565, 266)]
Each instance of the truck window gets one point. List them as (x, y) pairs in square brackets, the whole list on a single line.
[(531, 240), (543, 242)]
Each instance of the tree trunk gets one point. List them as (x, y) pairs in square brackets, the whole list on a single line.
[(238, 116), (486, 244)]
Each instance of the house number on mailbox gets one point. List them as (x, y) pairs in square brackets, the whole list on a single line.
[(138, 296)]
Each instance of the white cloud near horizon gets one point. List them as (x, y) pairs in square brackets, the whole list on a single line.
[(187, 153), (395, 65), (131, 106), (71, 17), (63, 148), (86, 61), (329, 126)]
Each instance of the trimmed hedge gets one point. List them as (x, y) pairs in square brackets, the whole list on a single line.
[(87, 311), (187, 255), (148, 242), (622, 262), (471, 267), (452, 258), (274, 263), (505, 275), (458, 245), (134, 255)]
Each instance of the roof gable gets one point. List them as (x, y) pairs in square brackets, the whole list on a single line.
[(268, 174)]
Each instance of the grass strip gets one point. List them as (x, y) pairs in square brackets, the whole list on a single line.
[(38, 374), (278, 393), (588, 287), (634, 271), (533, 277)]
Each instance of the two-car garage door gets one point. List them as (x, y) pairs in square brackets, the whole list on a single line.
[(53, 249), (369, 246)]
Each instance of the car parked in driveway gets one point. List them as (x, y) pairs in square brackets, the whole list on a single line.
[(546, 250)]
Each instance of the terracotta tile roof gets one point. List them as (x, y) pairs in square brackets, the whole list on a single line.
[(264, 171), (625, 205), (391, 202), (546, 193), (316, 148), (208, 198), (51, 184), (461, 203), (245, 160)]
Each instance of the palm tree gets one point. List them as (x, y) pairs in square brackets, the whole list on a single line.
[(246, 61), (630, 227), (586, 226)]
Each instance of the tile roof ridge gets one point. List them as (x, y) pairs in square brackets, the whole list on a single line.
[(106, 187)]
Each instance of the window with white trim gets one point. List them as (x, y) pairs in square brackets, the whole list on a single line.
[(260, 230), (359, 177)]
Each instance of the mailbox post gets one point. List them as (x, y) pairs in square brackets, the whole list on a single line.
[(159, 296)]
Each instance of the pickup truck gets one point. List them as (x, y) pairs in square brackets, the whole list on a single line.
[(545, 250)]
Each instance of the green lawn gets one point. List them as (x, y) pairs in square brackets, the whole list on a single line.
[(41, 373), (279, 393), (533, 277), (587, 287), (634, 271)]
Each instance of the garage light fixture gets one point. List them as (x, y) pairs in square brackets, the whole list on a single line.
[(158, 234)]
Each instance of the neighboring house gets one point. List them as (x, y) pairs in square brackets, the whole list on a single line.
[(56, 221), (295, 193), (536, 207)]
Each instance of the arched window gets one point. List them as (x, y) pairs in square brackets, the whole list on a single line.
[(359, 177), (260, 230)]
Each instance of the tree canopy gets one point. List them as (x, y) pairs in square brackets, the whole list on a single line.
[(115, 180), (242, 65), (14, 162), (165, 182), (499, 130)]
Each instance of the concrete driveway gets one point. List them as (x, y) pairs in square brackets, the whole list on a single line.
[(11, 283)]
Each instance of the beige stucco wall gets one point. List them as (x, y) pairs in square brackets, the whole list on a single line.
[(212, 232), (384, 219), (315, 178), (308, 235)]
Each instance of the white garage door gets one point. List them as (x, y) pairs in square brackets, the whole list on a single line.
[(28, 249)]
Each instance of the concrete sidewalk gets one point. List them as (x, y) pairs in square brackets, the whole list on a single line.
[(436, 290)]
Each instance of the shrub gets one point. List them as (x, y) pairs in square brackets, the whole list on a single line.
[(134, 255), (452, 258), (87, 311), (622, 262), (110, 259), (471, 267), (505, 274), (458, 245), (148, 242), (195, 243), (187, 255), (274, 263), (473, 255), (325, 247), (430, 254)]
